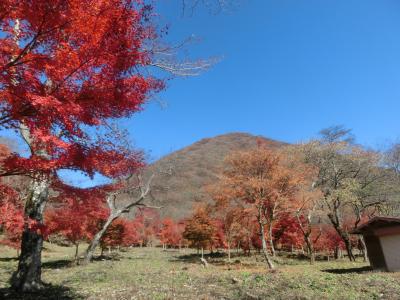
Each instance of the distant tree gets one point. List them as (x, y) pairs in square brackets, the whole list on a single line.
[(170, 234), (230, 213), (259, 180), (200, 229), (147, 223), (75, 214), (349, 177), (12, 224), (287, 233), (329, 241), (11, 205), (114, 235), (391, 162)]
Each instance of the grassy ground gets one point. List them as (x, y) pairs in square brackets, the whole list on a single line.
[(154, 274)]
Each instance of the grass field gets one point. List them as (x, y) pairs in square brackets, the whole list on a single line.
[(151, 273)]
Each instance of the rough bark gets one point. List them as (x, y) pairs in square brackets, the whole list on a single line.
[(28, 275)]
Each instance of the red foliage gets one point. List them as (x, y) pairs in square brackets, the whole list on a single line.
[(201, 229), (76, 219), (69, 66), (170, 233), (11, 208), (287, 233), (12, 223), (147, 225), (329, 240), (114, 234), (130, 235)]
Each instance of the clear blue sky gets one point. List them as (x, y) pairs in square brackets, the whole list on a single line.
[(289, 68)]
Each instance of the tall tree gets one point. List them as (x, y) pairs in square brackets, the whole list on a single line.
[(348, 176), (66, 68), (259, 180)]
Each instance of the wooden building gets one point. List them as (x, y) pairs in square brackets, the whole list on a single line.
[(382, 238)]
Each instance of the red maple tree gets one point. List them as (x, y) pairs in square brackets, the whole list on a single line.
[(75, 213), (66, 67)]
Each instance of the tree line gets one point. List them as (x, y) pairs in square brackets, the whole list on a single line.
[(306, 197)]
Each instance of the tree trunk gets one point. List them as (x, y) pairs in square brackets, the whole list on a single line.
[(364, 248), (28, 276), (349, 248), (343, 234), (97, 238), (271, 242), (310, 249), (264, 246), (76, 258), (229, 253)]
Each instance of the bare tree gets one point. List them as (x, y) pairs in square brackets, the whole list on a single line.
[(349, 177), (137, 193), (168, 58)]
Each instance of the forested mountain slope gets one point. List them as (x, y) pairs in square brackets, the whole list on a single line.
[(183, 174)]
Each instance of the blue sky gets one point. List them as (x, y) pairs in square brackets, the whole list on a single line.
[(289, 68)]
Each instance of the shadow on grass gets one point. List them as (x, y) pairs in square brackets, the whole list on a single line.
[(191, 258), (49, 292), (8, 259), (349, 271), (215, 259), (58, 264), (111, 257)]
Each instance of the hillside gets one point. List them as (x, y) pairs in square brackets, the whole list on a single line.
[(184, 173)]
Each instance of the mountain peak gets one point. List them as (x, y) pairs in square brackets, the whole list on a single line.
[(194, 167)]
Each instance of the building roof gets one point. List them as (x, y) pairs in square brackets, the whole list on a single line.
[(375, 223)]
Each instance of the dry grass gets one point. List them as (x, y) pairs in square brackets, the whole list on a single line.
[(150, 273)]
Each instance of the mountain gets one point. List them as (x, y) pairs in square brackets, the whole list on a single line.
[(182, 175)]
